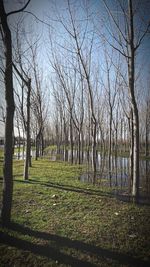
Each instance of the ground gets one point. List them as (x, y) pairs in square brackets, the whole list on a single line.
[(57, 220)]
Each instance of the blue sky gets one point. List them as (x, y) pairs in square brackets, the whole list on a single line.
[(45, 10)]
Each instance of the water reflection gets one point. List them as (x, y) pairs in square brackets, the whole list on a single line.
[(117, 177), (22, 154)]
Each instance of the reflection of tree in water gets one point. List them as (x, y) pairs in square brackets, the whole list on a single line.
[(119, 174)]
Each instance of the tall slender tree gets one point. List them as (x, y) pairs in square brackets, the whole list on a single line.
[(127, 42), (10, 107)]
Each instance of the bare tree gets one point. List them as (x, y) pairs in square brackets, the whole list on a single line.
[(62, 119), (111, 88), (38, 101), (10, 107), (127, 43)]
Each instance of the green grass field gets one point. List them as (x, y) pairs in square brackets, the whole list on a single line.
[(59, 221)]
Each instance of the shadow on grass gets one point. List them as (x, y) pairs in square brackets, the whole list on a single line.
[(116, 194), (53, 251), (69, 188)]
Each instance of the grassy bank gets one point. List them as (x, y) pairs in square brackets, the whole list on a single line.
[(60, 221)]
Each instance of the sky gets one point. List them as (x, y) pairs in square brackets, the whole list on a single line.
[(45, 10)]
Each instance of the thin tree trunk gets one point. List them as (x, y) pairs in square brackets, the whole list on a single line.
[(131, 73), (42, 144), (82, 146), (146, 136), (71, 140), (19, 143), (10, 107), (79, 147), (94, 150), (36, 148), (27, 159), (110, 147), (135, 186), (131, 150), (66, 142)]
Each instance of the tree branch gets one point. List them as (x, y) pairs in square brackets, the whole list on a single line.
[(142, 37), (19, 10)]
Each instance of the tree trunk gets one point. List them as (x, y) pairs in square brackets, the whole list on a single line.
[(36, 148), (131, 74), (131, 150), (135, 186), (94, 156), (27, 159), (146, 135), (71, 140), (66, 141), (10, 107), (110, 147), (19, 139), (82, 146), (42, 144), (79, 147)]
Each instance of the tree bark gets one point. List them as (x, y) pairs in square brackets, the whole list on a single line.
[(10, 107), (71, 140), (94, 156), (110, 146), (28, 145), (131, 150), (147, 123), (131, 75)]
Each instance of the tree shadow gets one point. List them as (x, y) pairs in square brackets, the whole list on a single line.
[(52, 250), (69, 188), (113, 194), (142, 200)]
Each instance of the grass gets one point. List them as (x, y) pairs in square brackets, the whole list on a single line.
[(59, 221)]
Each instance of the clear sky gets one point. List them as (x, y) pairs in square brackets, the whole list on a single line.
[(48, 10), (45, 10)]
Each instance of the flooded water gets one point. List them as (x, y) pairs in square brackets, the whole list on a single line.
[(117, 177), (22, 155)]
